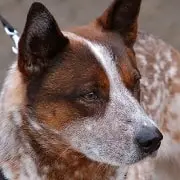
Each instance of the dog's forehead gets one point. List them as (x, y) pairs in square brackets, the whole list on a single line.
[(101, 52), (116, 59), (108, 47)]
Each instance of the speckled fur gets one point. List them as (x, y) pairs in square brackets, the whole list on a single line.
[(159, 64)]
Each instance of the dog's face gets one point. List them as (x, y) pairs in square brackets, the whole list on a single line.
[(84, 84)]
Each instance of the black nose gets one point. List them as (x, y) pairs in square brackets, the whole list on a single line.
[(149, 139)]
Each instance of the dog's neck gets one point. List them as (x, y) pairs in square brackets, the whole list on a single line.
[(39, 161), (27, 158)]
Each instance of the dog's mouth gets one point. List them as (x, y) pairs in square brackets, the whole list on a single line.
[(153, 150), (157, 147), (151, 153), (154, 153)]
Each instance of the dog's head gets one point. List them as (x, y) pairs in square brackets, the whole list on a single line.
[(84, 84)]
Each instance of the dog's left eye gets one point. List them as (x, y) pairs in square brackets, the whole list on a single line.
[(136, 87), (90, 97), (137, 77)]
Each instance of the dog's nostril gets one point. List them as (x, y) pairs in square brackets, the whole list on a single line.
[(149, 139)]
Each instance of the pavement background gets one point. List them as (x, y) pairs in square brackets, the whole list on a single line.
[(160, 17)]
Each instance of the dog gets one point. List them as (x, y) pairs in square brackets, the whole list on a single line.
[(70, 104)]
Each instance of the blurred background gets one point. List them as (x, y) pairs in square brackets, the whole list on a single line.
[(160, 17)]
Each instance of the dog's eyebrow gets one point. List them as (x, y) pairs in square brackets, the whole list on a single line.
[(11, 32)]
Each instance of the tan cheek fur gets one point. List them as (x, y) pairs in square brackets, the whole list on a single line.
[(56, 115)]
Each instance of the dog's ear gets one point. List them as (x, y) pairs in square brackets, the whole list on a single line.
[(121, 17), (40, 42)]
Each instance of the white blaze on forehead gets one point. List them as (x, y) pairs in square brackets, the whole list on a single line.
[(103, 55), (105, 58)]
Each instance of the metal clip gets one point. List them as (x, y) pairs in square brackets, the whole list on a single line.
[(12, 32)]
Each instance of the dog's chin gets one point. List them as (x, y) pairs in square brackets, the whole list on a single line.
[(116, 158), (117, 162), (142, 157), (131, 160)]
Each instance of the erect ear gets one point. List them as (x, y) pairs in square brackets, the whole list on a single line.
[(40, 42), (121, 17)]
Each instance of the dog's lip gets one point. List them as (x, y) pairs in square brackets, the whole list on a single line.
[(153, 152), (156, 148)]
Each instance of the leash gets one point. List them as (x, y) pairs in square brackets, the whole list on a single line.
[(11, 32)]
